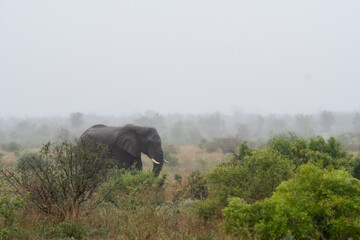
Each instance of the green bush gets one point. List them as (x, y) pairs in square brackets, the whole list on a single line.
[(324, 154), (72, 174), (9, 205), (198, 185), (29, 160), (254, 178), (11, 147), (282, 145), (132, 188), (315, 204), (356, 167), (63, 230)]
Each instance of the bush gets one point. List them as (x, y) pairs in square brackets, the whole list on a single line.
[(198, 185), (11, 147), (255, 178), (356, 167), (63, 230), (72, 174), (324, 154), (132, 188), (30, 160), (9, 204), (282, 145), (315, 204)]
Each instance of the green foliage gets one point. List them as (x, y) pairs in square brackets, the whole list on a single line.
[(315, 204), (325, 154), (28, 160), (264, 171), (11, 147), (244, 151), (63, 230), (132, 188), (282, 145), (254, 178), (198, 185), (9, 205), (72, 174), (356, 167)]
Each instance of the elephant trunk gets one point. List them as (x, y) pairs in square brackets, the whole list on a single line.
[(158, 163)]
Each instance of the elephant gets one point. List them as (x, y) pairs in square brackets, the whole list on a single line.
[(126, 143)]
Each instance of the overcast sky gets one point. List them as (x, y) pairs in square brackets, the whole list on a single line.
[(189, 56)]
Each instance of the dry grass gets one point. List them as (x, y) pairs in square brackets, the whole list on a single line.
[(191, 158), (8, 159)]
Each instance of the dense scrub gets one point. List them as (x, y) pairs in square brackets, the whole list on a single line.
[(316, 203), (292, 187)]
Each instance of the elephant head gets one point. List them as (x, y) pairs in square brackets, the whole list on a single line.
[(127, 143), (136, 140)]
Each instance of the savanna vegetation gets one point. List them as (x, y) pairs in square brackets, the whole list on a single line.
[(225, 180)]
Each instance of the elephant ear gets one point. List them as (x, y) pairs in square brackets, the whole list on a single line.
[(127, 140)]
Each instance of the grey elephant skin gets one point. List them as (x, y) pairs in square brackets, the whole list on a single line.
[(126, 144)]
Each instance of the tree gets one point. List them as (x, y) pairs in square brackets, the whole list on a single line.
[(76, 119), (61, 178), (315, 204), (327, 120), (303, 124), (356, 122)]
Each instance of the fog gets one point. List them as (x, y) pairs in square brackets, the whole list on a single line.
[(118, 58)]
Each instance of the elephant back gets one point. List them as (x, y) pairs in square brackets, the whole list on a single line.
[(100, 134)]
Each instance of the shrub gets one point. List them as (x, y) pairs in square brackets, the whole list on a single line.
[(356, 167), (11, 147), (63, 230), (324, 154), (282, 145), (133, 188), (255, 178), (72, 174), (9, 204), (28, 160), (198, 185), (315, 204)]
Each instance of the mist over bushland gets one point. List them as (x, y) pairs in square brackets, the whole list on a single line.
[(192, 129)]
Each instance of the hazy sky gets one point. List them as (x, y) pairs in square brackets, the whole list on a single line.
[(190, 56)]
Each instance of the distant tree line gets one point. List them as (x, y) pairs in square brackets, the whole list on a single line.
[(190, 128)]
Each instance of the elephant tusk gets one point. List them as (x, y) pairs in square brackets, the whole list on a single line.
[(166, 161), (154, 161)]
